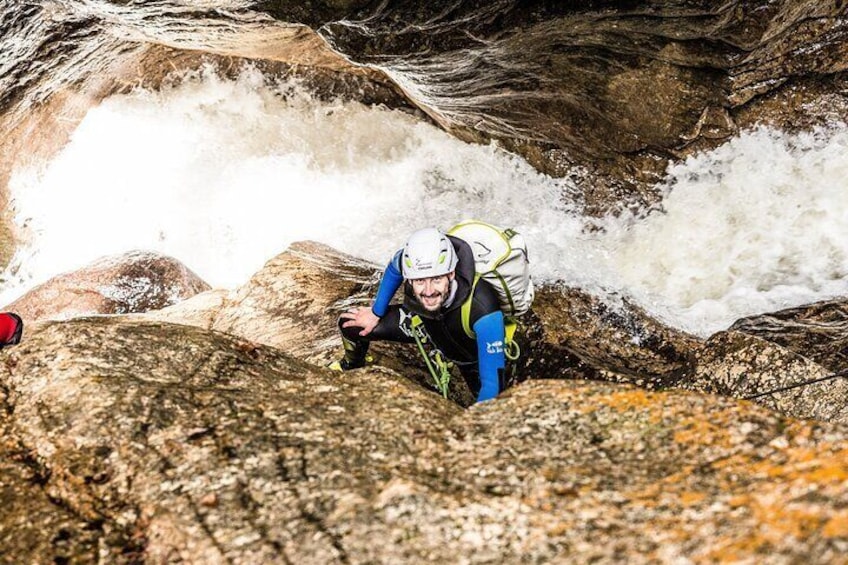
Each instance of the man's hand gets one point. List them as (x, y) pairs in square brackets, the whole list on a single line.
[(362, 317)]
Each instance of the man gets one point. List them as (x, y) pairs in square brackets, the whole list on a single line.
[(437, 273)]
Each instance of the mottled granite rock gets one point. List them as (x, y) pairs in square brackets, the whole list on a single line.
[(160, 442), (818, 331), (776, 351), (743, 366)]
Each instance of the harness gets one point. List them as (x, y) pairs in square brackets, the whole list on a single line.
[(437, 364)]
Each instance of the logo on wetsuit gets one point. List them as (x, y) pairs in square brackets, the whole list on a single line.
[(405, 322)]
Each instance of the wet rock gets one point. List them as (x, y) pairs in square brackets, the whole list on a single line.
[(740, 365), (615, 337), (817, 331), (616, 90), (583, 84), (131, 282), (170, 442)]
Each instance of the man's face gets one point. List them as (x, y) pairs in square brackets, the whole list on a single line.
[(432, 291)]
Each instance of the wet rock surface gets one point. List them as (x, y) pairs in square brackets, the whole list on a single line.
[(120, 284), (616, 87), (619, 340), (163, 442)]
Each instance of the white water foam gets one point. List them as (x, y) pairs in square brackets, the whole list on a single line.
[(224, 174), (757, 225)]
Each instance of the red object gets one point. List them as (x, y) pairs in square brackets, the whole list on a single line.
[(10, 328)]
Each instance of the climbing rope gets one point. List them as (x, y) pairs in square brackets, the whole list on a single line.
[(438, 366)]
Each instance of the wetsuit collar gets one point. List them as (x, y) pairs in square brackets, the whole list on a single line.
[(451, 294)]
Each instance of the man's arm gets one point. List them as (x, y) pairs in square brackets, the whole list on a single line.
[(391, 281), (490, 353), (368, 318)]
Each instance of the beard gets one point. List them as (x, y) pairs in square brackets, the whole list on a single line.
[(432, 302)]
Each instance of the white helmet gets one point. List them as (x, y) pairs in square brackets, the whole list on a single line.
[(428, 253)]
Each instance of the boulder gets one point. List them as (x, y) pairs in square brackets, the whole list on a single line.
[(740, 365), (776, 352), (132, 282), (293, 303), (156, 442), (613, 336)]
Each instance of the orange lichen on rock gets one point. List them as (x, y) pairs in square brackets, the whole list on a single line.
[(736, 550), (692, 498), (837, 526), (697, 430), (629, 399), (777, 519), (807, 464)]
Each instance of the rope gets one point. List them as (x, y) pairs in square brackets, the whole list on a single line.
[(797, 385), (442, 377)]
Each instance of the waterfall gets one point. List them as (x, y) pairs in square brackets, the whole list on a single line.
[(225, 173)]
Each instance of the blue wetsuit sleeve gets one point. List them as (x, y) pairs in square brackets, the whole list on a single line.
[(490, 353), (392, 278)]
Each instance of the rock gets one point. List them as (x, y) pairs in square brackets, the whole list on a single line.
[(170, 442), (736, 364), (614, 337), (571, 86), (773, 351), (294, 301), (149, 420), (131, 282), (33, 524), (817, 331)]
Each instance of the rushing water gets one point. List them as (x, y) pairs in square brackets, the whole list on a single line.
[(224, 174)]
